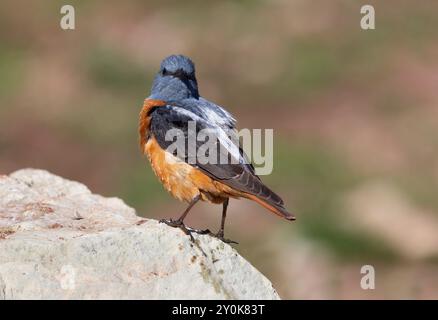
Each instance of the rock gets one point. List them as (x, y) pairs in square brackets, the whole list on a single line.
[(60, 241)]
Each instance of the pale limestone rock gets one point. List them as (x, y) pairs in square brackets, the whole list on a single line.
[(60, 241)]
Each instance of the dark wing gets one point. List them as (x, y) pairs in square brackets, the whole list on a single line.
[(235, 173)]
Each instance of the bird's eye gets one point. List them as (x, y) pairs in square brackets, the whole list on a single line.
[(164, 72)]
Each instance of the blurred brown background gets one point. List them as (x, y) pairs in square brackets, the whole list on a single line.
[(355, 118)]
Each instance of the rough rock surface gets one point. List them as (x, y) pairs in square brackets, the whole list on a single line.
[(60, 241)]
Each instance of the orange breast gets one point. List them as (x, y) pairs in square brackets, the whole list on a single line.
[(182, 180), (145, 119)]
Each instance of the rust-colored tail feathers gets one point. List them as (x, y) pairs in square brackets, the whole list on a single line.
[(254, 189), (274, 208)]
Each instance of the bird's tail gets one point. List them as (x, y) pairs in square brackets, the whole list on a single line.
[(271, 201)]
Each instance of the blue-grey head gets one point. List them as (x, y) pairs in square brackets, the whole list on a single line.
[(175, 80)]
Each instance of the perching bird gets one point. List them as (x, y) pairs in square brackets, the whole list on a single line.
[(173, 103)]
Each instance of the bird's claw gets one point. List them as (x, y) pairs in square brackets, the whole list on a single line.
[(203, 232), (220, 236), (179, 224), (188, 231), (171, 222), (225, 240)]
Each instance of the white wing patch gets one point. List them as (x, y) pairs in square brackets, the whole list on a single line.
[(216, 114), (219, 131)]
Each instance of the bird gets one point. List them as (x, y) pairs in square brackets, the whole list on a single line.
[(173, 103)]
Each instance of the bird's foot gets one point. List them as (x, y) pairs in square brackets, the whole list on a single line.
[(179, 224), (203, 232), (220, 236), (188, 231)]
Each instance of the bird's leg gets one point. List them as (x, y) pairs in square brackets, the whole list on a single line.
[(220, 234), (179, 223)]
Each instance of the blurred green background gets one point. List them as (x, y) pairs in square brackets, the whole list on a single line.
[(354, 112)]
